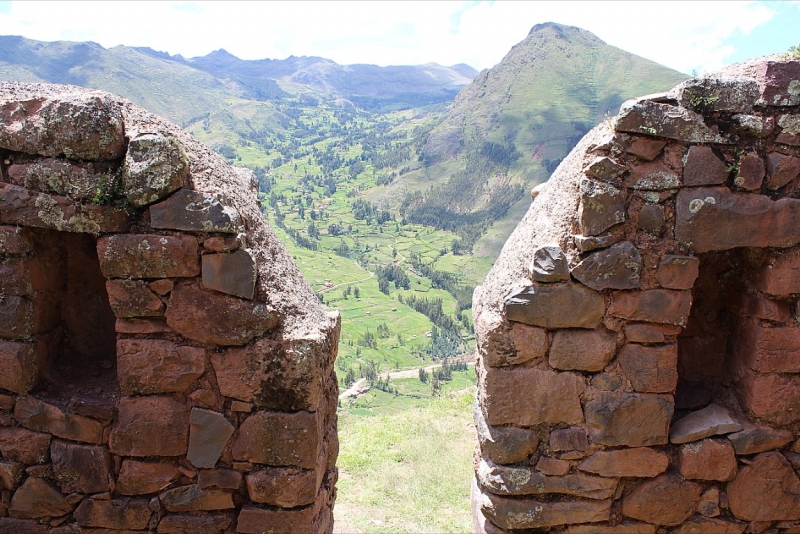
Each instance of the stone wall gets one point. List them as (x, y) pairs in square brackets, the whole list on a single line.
[(163, 365), (638, 338)]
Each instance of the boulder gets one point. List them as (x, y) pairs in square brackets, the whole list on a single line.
[(617, 267), (155, 165), (602, 206), (766, 490)]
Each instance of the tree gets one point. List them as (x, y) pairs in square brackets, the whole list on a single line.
[(423, 375), (383, 285), (356, 292)]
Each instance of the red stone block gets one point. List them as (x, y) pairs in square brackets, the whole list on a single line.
[(653, 306), (582, 350), (196, 524), (617, 418), (649, 333), (119, 514), (666, 500), (549, 397), (150, 426), (284, 487), (38, 415), (22, 526), (132, 298), (148, 256), (552, 466), (140, 478), (142, 326), (560, 305), (16, 318), (193, 498), (781, 170), (211, 317), (751, 172), (23, 445), (637, 462), (766, 490), (530, 344), (80, 468), (37, 499), (234, 273), (15, 240), (748, 305), (651, 369), (10, 474), (706, 525), (781, 277), (703, 167), (769, 350), (280, 439), (221, 243), (146, 366), (20, 365), (754, 439), (253, 520), (568, 439), (770, 397), (708, 459), (647, 149), (219, 478), (526, 513), (677, 272)]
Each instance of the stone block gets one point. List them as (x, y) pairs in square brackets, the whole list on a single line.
[(36, 499), (665, 500), (80, 468), (81, 180), (651, 219), (251, 520), (147, 366), (650, 368), (234, 274), (132, 298), (150, 426), (602, 206), (771, 397), (637, 462), (662, 306), (707, 525), (196, 524), (15, 240), (16, 318), (714, 218), (280, 439), (552, 466), (10, 474), (219, 478), (528, 513), (705, 95), (649, 332), (653, 176), (561, 305), (768, 350), (23, 526), (781, 276), (195, 211), (605, 169), (209, 432), (626, 527), (25, 446), (225, 243), (582, 350), (38, 415), (677, 272), (210, 317), (142, 326), (550, 397), (23, 207), (518, 480), (84, 126), (777, 80), (568, 439), (20, 365), (708, 459), (155, 165), (285, 376), (283, 486), (140, 477), (752, 125), (617, 267), (753, 439), (148, 256), (766, 490), (617, 418), (589, 243), (121, 514), (193, 498), (751, 172), (703, 166), (663, 120), (161, 287), (530, 344), (549, 264), (749, 305), (505, 444), (713, 420), (781, 170), (643, 147)]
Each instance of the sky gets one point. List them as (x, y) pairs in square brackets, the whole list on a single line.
[(691, 37)]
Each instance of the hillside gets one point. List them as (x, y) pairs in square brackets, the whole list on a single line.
[(509, 129)]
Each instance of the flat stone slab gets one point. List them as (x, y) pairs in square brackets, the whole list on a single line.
[(209, 432), (195, 211), (712, 420), (560, 305)]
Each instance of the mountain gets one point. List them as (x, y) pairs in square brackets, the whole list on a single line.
[(511, 126)]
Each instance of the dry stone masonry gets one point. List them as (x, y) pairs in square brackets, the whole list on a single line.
[(163, 365), (639, 336)]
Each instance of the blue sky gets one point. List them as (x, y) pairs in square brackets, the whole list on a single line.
[(687, 36)]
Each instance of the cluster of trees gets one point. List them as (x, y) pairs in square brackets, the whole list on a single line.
[(392, 273), (432, 309), (363, 210), (368, 340)]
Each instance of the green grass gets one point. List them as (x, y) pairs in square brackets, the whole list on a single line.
[(406, 470)]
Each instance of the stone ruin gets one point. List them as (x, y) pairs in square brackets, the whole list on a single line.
[(639, 336), (164, 367)]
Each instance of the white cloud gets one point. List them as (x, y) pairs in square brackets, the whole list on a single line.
[(681, 35)]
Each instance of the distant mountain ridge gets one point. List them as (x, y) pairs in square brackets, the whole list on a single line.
[(117, 69)]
